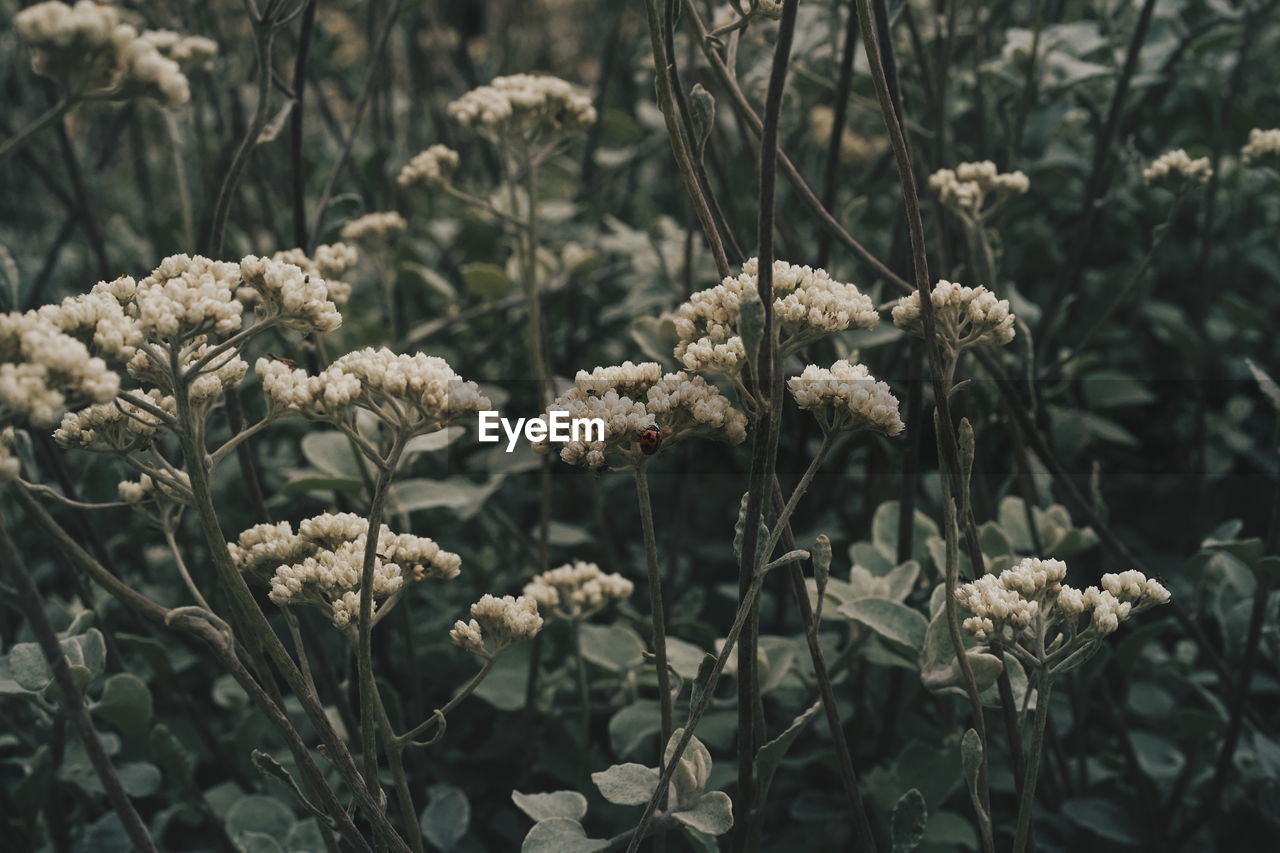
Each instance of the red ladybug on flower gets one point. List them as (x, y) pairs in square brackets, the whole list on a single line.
[(650, 440)]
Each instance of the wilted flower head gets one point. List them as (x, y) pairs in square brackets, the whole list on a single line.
[(432, 167), (808, 305), (847, 397), (576, 591), (632, 398), (497, 624), (977, 188), (965, 315), (171, 488), (91, 53), (524, 107), (1263, 148), (1176, 170)]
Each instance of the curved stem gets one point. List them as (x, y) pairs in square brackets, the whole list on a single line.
[(182, 566), (780, 525), (442, 713)]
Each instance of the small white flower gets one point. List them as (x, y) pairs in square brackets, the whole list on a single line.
[(374, 230), (432, 167), (1263, 148), (529, 107), (847, 396), (964, 315), (977, 188), (576, 590), (497, 624)]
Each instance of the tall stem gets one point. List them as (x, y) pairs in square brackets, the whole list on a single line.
[(1026, 803), (369, 699), (655, 608), (584, 695)]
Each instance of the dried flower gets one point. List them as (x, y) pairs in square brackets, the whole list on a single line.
[(375, 230), (43, 370), (977, 188), (323, 562), (191, 53), (576, 591), (1263, 148), (116, 427), (497, 624), (808, 305), (288, 295), (1176, 170), (847, 397), (525, 107), (631, 398), (964, 315), (432, 167), (329, 263), (90, 52)]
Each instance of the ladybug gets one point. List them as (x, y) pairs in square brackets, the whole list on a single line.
[(650, 440)]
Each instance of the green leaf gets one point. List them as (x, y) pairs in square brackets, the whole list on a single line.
[(568, 804), (614, 647), (28, 668), (631, 726), (1102, 817), (302, 485), (950, 828), (712, 813), (895, 622), (971, 761), (560, 835), (92, 649), (139, 778), (488, 281), (458, 494), (432, 441), (447, 816), (626, 784), (260, 814), (126, 704), (884, 532), (771, 754), (656, 337), (693, 771), (505, 687), (177, 762), (909, 818), (331, 453)]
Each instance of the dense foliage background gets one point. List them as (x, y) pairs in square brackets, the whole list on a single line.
[(1141, 432)]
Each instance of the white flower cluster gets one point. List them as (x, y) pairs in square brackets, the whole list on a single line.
[(288, 293), (964, 315), (411, 393), (808, 304), (116, 427), (577, 590), (43, 370), (99, 319), (330, 263), (847, 397), (432, 167), (374, 230), (530, 107), (497, 624), (186, 296), (631, 398), (1023, 602), (977, 187), (322, 563), (192, 53), (1263, 148), (1176, 170), (91, 53)]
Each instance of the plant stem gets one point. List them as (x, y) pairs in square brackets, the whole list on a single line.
[(584, 696), (1023, 832), (679, 145), (656, 611), (369, 699), (442, 713), (51, 115)]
